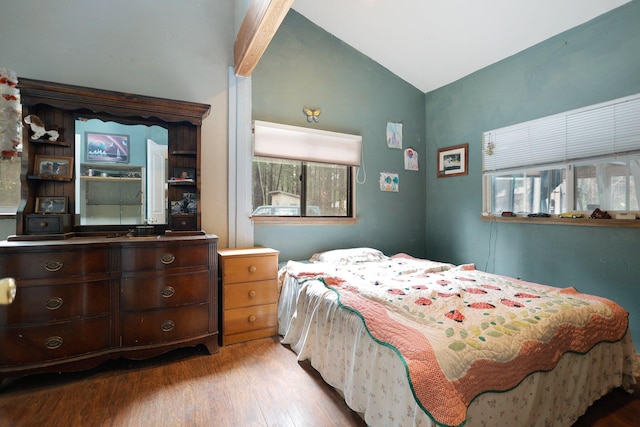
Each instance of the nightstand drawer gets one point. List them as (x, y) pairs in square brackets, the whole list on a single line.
[(250, 293), (250, 318), (249, 268)]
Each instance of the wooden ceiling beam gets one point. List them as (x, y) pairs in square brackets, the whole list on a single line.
[(258, 27)]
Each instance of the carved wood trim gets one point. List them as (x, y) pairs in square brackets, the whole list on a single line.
[(69, 97)]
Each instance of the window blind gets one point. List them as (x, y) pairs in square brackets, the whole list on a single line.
[(602, 129), (298, 143)]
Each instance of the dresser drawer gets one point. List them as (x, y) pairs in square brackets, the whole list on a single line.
[(162, 257), (183, 222), (30, 344), (54, 263), (34, 304), (249, 318), (170, 290), (250, 293), (162, 326), (249, 268), (48, 223)]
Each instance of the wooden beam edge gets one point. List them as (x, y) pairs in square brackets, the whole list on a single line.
[(258, 27)]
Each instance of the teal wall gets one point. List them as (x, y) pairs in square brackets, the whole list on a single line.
[(306, 66), (592, 63)]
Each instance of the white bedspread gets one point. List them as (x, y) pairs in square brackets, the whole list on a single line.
[(373, 379)]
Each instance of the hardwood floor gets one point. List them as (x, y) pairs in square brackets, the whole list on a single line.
[(258, 383)]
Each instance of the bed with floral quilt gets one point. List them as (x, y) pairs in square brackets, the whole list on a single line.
[(412, 342)]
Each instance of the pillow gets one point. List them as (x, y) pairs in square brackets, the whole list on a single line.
[(349, 256)]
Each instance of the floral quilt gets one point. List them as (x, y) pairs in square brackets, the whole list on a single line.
[(462, 332)]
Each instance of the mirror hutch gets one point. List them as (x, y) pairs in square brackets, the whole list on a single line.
[(108, 257)]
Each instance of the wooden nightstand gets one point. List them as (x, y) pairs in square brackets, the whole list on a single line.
[(249, 289)]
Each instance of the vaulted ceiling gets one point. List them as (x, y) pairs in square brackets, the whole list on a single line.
[(430, 43)]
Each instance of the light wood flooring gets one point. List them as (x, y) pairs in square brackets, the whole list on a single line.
[(258, 383)]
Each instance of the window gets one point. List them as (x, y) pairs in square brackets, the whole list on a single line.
[(293, 188), (575, 161), (300, 172), (529, 191), (9, 185)]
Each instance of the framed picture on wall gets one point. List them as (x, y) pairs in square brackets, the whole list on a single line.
[(453, 161), (106, 147)]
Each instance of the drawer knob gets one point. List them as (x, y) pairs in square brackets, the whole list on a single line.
[(252, 318), (43, 224), (252, 269), (252, 294), (167, 258), (53, 266), (54, 303), (53, 342), (167, 292), (168, 325)]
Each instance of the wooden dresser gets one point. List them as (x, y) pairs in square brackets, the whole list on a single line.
[(85, 300), (249, 288)]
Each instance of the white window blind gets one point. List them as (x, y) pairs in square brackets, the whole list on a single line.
[(599, 130), (298, 143)]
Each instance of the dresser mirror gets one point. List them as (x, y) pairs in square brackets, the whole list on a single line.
[(121, 172)]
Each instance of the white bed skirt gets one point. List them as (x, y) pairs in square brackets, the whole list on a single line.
[(373, 379)]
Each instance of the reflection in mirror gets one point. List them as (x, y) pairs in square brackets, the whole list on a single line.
[(121, 173)]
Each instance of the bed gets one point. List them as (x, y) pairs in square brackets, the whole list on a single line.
[(412, 342)]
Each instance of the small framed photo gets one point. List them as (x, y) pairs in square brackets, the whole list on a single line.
[(184, 174), (177, 207), (453, 161), (106, 147), (51, 204), (53, 167)]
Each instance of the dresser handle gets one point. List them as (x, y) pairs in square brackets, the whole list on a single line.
[(168, 325), (53, 266), (168, 258), (252, 318), (53, 342), (252, 294), (252, 269), (167, 292), (54, 303)]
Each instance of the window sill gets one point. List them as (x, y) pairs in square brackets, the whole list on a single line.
[(308, 220), (585, 222)]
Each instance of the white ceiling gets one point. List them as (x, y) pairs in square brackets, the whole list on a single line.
[(430, 43)]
